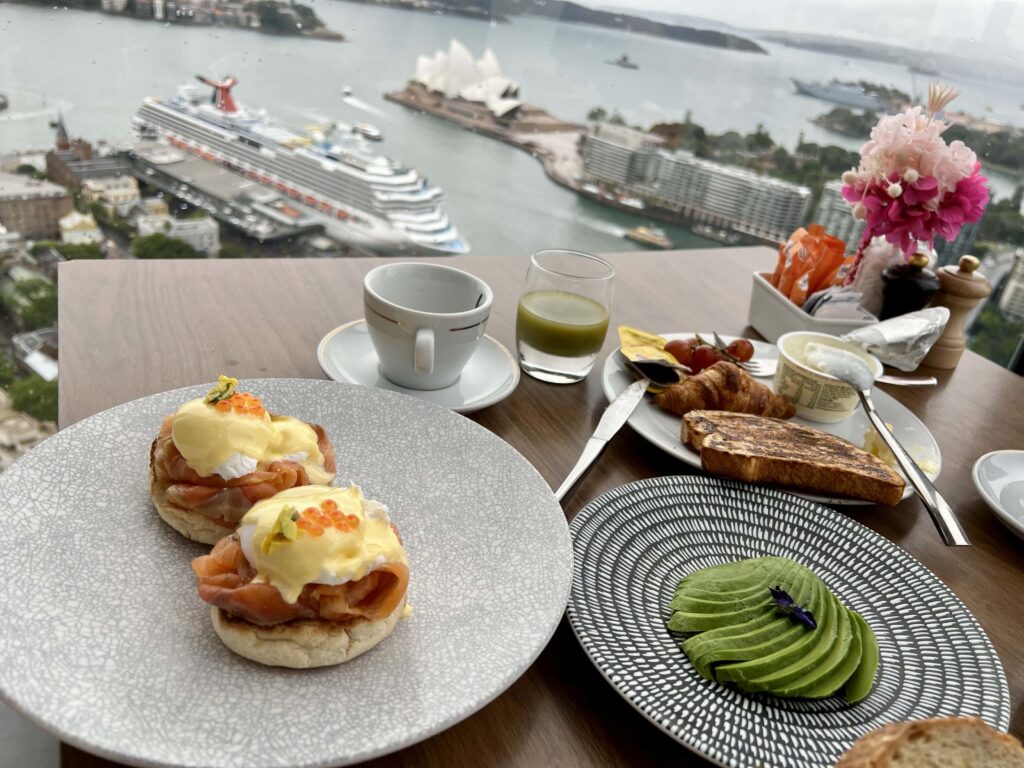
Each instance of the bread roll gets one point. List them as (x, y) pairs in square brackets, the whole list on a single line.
[(305, 643)]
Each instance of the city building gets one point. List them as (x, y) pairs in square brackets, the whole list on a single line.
[(203, 234), (835, 215), (12, 161), (37, 351), (725, 196), (617, 155), (158, 10), (113, 6), (950, 253), (31, 207), (80, 228), (1012, 300), (9, 241), (19, 432), (118, 194)]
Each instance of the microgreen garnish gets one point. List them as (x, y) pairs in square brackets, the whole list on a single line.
[(284, 529), (788, 605), (224, 388)]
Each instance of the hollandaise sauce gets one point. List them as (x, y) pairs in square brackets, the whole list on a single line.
[(234, 435), (315, 534)]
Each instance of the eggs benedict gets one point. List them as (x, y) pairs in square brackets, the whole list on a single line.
[(218, 455), (314, 576)]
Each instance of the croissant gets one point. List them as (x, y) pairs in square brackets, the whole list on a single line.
[(724, 386)]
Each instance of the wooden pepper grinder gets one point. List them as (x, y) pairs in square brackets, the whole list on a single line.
[(960, 291)]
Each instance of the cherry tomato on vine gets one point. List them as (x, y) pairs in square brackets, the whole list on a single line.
[(741, 349)]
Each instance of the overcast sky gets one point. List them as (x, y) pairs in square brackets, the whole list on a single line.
[(889, 21)]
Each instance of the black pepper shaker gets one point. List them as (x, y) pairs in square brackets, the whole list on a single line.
[(908, 287)]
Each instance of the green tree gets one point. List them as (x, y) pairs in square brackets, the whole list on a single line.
[(35, 302), (597, 115), (35, 396), (231, 250), (8, 373), (26, 169), (160, 246), (616, 119), (995, 336)]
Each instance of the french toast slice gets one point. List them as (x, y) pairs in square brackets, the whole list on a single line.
[(759, 449)]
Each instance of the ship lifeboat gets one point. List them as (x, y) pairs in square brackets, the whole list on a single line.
[(326, 207), (251, 174), (341, 214), (280, 187), (294, 194), (264, 179), (310, 200)]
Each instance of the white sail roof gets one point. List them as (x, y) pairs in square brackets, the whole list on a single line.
[(455, 74)]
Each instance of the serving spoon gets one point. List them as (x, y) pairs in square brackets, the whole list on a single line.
[(849, 368)]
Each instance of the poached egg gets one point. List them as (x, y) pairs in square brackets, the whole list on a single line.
[(233, 435), (317, 535)]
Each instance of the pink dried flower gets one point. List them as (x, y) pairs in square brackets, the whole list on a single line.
[(911, 185)]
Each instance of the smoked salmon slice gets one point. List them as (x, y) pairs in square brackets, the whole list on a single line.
[(225, 580), (224, 501)]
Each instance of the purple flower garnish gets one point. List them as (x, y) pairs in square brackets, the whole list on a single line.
[(787, 604)]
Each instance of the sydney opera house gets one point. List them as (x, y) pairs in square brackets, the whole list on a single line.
[(455, 75)]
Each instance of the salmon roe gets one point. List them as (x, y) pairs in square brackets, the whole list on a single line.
[(242, 403), (314, 520)]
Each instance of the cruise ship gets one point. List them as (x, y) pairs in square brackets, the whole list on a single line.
[(361, 198), (847, 94)]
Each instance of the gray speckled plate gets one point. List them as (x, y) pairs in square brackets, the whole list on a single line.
[(104, 641)]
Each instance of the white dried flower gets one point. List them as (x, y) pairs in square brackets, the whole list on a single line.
[(850, 177), (911, 175), (860, 212), (895, 189)]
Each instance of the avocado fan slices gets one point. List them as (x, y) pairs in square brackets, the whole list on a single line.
[(739, 631)]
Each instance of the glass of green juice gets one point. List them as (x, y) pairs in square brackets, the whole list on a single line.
[(563, 314)]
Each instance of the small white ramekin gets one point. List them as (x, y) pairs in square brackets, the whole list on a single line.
[(816, 395)]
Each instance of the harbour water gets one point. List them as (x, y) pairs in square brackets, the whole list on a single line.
[(97, 68)]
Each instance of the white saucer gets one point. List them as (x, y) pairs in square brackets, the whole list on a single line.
[(999, 478), (492, 373)]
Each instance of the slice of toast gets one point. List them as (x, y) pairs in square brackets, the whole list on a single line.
[(950, 742), (759, 449)]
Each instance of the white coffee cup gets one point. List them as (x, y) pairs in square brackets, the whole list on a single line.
[(425, 321)]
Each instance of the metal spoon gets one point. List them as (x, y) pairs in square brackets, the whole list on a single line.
[(855, 372)]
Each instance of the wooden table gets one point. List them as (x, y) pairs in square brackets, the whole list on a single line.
[(132, 328)]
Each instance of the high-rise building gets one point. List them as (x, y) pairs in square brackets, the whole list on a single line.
[(1012, 300), (1000, 16), (726, 196), (950, 253), (32, 207), (617, 155), (835, 215)]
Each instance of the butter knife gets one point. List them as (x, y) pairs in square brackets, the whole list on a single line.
[(615, 415)]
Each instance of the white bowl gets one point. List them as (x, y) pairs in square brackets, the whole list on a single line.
[(999, 478), (816, 395)]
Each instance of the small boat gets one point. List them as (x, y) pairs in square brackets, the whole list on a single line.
[(346, 90), (624, 62), (648, 236), (367, 131)]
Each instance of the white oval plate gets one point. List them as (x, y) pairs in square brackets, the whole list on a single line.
[(999, 478), (105, 642), (662, 428)]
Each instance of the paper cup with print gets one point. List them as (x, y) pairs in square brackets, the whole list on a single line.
[(816, 395), (425, 321)]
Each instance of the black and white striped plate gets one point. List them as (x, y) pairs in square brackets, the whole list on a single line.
[(633, 544)]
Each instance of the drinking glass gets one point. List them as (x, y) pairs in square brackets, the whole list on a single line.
[(563, 314)]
